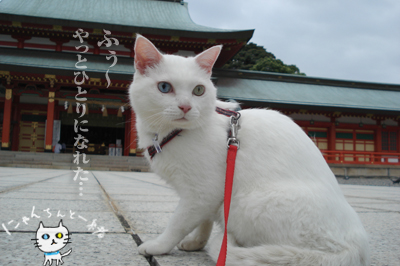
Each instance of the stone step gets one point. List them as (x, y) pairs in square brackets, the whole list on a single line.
[(4, 157), (65, 161)]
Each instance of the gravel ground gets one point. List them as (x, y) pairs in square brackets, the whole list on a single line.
[(368, 181)]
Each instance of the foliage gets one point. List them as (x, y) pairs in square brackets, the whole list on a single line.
[(254, 57)]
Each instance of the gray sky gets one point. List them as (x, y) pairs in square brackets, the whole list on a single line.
[(342, 39)]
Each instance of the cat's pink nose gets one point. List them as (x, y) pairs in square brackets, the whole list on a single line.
[(185, 108)]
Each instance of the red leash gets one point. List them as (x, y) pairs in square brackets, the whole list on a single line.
[(230, 170), (233, 147)]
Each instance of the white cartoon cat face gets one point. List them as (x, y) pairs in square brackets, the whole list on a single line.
[(51, 239), (172, 91)]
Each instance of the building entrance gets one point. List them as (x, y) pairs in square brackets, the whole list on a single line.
[(103, 132)]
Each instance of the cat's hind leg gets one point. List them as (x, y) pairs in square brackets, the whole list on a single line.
[(268, 255), (198, 238)]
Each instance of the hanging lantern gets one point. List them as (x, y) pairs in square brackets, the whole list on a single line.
[(104, 109), (69, 109), (120, 111)]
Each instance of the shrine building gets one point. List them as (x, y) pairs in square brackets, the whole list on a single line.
[(40, 53)]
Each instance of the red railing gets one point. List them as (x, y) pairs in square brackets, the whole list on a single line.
[(358, 157)]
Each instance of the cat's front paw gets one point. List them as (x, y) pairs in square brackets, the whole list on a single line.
[(190, 243), (153, 247)]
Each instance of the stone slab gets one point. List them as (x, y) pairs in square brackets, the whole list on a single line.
[(147, 203), (383, 229), (181, 258), (74, 220), (148, 222), (87, 249)]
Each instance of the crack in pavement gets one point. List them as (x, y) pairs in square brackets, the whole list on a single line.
[(125, 224)]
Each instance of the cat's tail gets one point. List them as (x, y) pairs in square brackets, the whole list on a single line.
[(287, 255), (67, 253)]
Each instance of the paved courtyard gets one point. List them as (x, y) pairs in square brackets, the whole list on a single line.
[(118, 210)]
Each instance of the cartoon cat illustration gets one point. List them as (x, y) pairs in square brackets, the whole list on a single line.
[(51, 240)]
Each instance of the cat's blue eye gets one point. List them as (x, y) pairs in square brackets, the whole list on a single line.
[(164, 87), (45, 236), (199, 90)]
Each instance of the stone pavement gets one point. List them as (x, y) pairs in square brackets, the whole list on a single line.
[(133, 207)]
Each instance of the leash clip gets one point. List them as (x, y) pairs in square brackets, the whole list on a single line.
[(232, 140), (156, 144)]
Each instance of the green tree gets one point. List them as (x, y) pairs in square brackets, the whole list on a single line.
[(254, 57), (275, 65)]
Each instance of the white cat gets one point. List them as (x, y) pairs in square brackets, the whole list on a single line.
[(51, 240), (287, 207)]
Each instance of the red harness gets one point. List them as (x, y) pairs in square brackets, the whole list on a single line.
[(233, 146)]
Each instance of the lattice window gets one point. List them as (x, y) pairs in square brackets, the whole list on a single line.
[(389, 141), (355, 140)]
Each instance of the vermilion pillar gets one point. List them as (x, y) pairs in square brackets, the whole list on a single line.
[(5, 139), (378, 136), (15, 117), (398, 136), (332, 136), (50, 122), (132, 135)]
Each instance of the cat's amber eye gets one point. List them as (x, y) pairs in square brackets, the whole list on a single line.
[(164, 87), (45, 236), (199, 90), (59, 235)]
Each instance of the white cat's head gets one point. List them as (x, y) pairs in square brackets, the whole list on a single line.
[(170, 91), (51, 239)]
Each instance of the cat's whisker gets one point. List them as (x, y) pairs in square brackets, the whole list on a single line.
[(158, 122), (153, 119)]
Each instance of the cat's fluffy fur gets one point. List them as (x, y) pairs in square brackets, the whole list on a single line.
[(287, 207)]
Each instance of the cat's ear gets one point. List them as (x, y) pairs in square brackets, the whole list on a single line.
[(146, 54), (206, 59), (60, 224), (41, 225)]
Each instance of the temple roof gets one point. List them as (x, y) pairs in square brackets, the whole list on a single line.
[(144, 16), (293, 91), (61, 63), (261, 88)]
